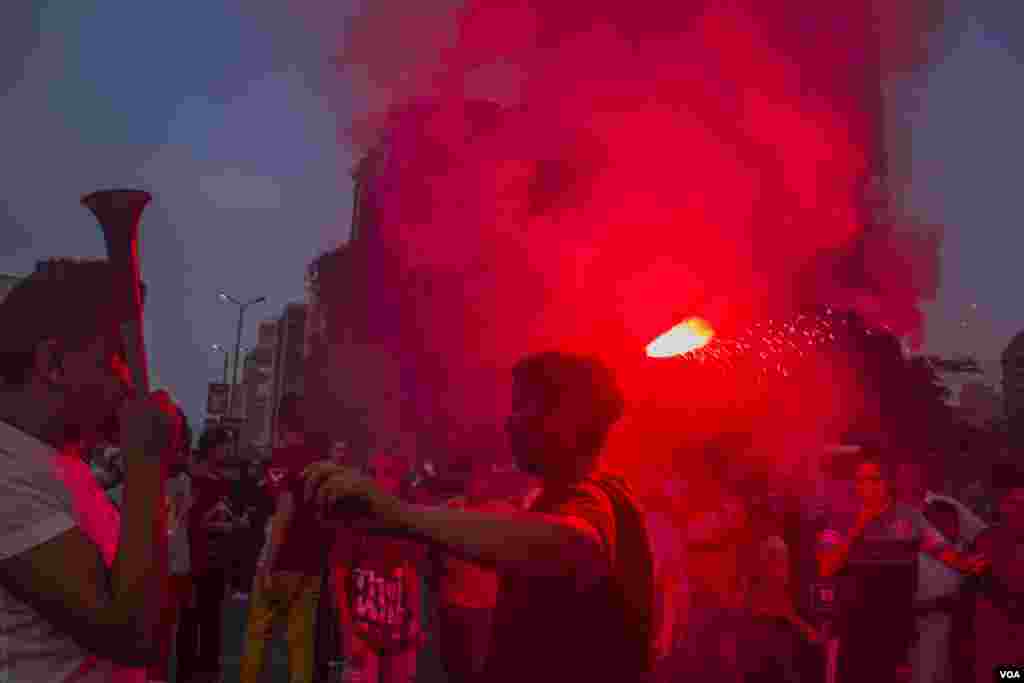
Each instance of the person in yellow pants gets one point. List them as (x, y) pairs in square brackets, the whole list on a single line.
[(293, 596), (288, 576)]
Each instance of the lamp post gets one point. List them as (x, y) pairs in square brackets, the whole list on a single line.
[(238, 343), (220, 349)]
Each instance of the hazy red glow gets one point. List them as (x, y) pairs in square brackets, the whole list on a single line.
[(720, 147), (687, 336)]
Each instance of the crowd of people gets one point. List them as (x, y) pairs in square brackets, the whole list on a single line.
[(879, 578), (113, 560)]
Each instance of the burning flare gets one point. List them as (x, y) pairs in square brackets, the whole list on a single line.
[(690, 335)]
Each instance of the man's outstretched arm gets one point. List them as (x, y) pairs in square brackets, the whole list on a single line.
[(524, 542), (576, 540)]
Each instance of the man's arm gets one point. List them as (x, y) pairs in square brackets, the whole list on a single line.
[(525, 542), (111, 614), (577, 539), (832, 557), (935, 545)]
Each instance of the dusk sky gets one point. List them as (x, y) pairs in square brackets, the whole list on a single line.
[(232, 117)]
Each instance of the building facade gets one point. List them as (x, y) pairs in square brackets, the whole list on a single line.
[(288, 361), (259, 381), (980, 404), (1013, 387)]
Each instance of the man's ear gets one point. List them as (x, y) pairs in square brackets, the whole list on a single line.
[(48, 361)]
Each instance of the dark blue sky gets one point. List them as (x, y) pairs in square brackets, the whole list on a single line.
[(230, 114), (965, 115)]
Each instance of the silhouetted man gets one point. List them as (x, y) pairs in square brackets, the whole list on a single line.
[(878, 552), (576, 585)]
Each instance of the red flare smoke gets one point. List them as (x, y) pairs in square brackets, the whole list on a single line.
[(719, 147)]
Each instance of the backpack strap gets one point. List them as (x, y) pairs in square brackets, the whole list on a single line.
[(634, 557)]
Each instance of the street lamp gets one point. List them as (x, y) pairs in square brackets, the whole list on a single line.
[(220, 349), (238, 342)]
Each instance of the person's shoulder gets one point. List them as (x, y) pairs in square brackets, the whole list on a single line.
[(608, 483), (22, 452), (29, 467), (35, 494), (598, 491)]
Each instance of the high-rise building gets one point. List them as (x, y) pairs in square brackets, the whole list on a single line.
[(258, 372), (288, 361), (980, 404), (1013, 386)]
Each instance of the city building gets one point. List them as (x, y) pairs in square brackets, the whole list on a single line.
[(258, 373), (239, 408), (980, 405), (287, 364), (1013, 386)]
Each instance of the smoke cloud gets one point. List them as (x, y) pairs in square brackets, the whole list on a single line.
[(583, 176)]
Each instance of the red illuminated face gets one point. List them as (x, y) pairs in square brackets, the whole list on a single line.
[(525, 427), (542, 432), (95, 381)]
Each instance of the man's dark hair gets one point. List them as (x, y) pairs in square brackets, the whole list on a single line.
[(559, 376), (65, 300)]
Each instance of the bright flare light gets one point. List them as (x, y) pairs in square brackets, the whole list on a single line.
[(687, 336)]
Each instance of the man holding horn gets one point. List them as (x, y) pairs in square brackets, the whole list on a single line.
[(80, 585)]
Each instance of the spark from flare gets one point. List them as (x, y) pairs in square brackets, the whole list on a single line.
[(776, 347)]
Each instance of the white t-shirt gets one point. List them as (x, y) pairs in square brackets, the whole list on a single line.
[(935, 579), (44, 494)]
